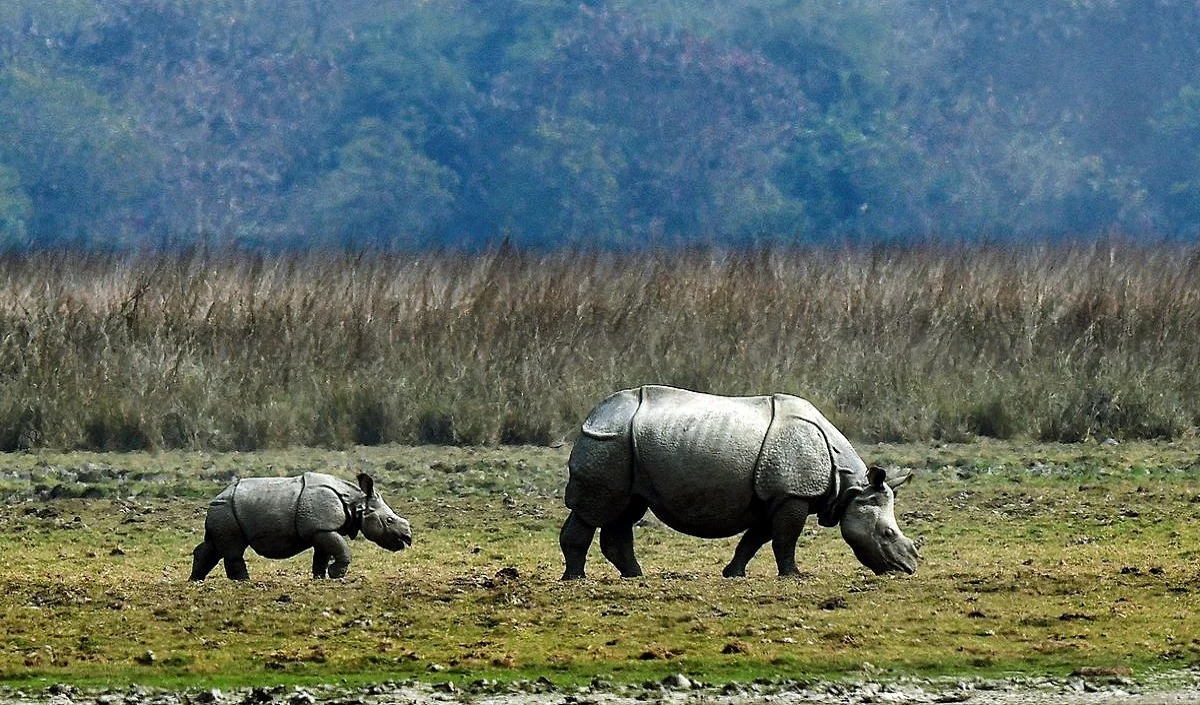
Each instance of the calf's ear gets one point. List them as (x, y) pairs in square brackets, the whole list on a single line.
[(366, 484)]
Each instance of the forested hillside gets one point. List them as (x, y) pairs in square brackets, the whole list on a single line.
[(408, 124)]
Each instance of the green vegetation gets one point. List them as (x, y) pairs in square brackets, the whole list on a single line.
[(1038, 558), (281, 124), (216, 352)]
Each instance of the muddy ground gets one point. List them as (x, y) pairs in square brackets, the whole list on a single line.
[(1088, 689)]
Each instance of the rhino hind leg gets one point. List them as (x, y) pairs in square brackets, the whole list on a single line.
[(754, 538), (204, 558), (616, 540), (232, 547), (235, 566), (600, 479), (223, 541), (320, 563), (575, 538)]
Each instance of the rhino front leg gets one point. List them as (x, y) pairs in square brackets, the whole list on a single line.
[(751, 541), (204, 558), (575, 538), (335, 546), (786, 526)]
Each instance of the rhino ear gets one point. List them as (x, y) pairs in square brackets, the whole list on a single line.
[(896, 480), (366, 484), (876, 476)]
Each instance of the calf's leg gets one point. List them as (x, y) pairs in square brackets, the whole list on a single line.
[(235, 565), (224, 534), (204, 558), (320, 565), (335, 546)]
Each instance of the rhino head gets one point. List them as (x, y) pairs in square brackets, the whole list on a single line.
[(869, 525), (379, 523)]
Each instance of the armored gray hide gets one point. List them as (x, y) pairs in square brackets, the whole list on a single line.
[(280, 517), (714, 466)]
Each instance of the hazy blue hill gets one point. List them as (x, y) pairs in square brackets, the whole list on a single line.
[(280, 124)]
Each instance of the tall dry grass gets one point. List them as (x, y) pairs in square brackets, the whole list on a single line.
[(940, 342)]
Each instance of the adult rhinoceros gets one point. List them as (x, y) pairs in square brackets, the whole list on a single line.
[(714, 466), (280, 517)]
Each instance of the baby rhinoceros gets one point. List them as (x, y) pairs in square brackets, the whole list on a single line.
[(280, 517), (715, 466)]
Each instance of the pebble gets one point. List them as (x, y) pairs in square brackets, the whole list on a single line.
[(677, 681)]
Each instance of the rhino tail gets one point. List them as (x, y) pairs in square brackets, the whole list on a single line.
[(611, 418), (796, 459)]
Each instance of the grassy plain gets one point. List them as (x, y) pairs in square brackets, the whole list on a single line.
[(1037, 558)]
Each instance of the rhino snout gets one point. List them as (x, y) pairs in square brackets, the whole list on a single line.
[(400, 537), (396, 543), (901, 557), (392, 533)]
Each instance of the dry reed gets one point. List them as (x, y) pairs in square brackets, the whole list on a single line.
[(241, 351)]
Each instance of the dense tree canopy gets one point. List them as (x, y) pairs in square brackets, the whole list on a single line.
[(405, 124)]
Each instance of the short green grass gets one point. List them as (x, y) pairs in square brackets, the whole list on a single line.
[(1036, 559)]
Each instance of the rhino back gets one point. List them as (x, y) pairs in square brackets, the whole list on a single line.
[(696, 455)]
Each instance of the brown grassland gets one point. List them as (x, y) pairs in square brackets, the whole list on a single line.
[(243, 352)]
